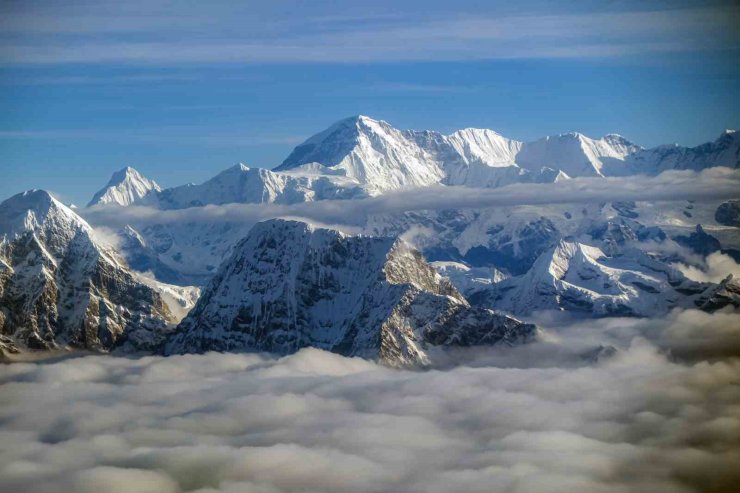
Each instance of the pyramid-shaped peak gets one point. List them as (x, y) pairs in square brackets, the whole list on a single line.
[(125, 187), (34, 199), (29, 210), (357, 122), (237, 168), (124, 174)]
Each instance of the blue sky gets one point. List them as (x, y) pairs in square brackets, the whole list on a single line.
[(182, 90)]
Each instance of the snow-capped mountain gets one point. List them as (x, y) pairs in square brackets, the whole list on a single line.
[(182, 253), (360, 156), (575, 154), (383, 158), (60, 287), (371, 152), (125, 187), (725, 151), (241, 184), (576, 277), (289, 285)]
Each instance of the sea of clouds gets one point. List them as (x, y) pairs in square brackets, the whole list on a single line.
[(661, 414)]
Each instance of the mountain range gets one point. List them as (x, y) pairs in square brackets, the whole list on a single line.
[(282, 285), (289, 285), (360, 156)]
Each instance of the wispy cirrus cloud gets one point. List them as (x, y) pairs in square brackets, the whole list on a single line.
[(202, 36), (184, 135)]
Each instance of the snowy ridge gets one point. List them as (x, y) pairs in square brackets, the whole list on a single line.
[(725, 151), (59, 287), (371, 152), (575, 154), (289, 285), (241, 184), (485, 146), (384, 158), (360, 156), (577, 277), (125, 187)]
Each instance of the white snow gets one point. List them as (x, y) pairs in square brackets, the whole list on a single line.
[(125, 187)]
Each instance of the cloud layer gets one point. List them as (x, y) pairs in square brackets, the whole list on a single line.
[(535, 419), (710, 184), (100, 32)]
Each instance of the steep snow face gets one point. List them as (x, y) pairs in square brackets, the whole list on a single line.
[(360, 156), (468, 279), (384, 158), (289, 285), (484, 146), (725, 151), (582, 278), (125, 187), (371, 152), (60, 287), (241, 184), (575, 154)]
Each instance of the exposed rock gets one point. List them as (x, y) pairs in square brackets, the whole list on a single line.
[(728, 213), (60, 287), (726, 293), (289, 285), (700, 242)]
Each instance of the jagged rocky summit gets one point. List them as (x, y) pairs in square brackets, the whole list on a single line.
[(289, 285), (60, 287)]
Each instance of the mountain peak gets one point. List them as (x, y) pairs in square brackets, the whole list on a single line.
[(124, 174), (28, 210), (289, 285), (359, 119), (64, 288), (38, 218), (125, 187), (729, 135), (237, 168)]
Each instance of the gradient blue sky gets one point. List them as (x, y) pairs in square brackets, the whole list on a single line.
[(182, 90)]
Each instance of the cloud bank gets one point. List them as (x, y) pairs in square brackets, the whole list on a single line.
[(710, 184), (714, 268), (540, 418)]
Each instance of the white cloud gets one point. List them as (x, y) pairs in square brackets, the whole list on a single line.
[(46, 34), (710, 184), (714, 268), (527, 419)]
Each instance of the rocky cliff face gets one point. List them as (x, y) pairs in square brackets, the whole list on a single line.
[(728, 213), (60, 287), (289, 285)]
